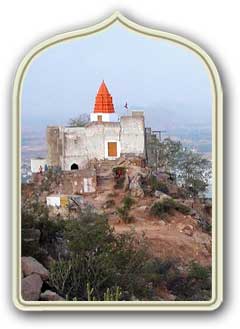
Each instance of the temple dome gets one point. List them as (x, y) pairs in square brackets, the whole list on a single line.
[(103, 101)]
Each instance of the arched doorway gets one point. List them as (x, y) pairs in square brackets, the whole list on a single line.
[(74, 166)]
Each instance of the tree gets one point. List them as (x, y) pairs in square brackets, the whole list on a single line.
[(194, 171), (80, 121), (169, 154), (163, 154)]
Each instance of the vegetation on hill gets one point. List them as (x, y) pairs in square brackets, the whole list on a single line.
[(123, 211), (102, 259), (192, 170), (89, 261), (167, 206)]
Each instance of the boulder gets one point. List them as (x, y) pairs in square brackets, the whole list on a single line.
[(31, 287), (162, 223), (140, 219), (135, 186), (126, 183), (162, 196), (141, 208), (188, 230), (30, 266), (49, 295)]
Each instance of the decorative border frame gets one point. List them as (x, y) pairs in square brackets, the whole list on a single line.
[(217, 162)]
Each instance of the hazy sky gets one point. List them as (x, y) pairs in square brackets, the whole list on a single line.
[(167, 81)]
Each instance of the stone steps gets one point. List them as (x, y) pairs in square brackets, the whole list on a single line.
[(105, 178)]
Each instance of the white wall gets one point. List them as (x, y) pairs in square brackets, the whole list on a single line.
[(74, 147), (36, 163), (88, 186), (86, 143), (132, 135), (54, 201), (106, 117), (83, 144)]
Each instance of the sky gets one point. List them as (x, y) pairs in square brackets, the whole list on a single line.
[(167, 81)]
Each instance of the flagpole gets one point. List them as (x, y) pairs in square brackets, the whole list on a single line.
[(126, 107)]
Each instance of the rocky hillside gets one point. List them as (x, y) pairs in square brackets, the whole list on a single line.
[(182, 233), (134, 214)]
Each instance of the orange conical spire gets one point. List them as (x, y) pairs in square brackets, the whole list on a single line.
[(103, 101)]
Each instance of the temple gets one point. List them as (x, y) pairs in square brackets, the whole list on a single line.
[(106, 136), (103, 108)]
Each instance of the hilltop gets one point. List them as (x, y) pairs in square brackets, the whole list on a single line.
[(150, 206)]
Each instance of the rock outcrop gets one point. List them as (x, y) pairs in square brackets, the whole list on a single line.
[(31, 266), (135, 186), (33, 276), (31, 287), (49, 295), (162, 196)]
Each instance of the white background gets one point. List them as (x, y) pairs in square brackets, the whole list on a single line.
[(215, 26)]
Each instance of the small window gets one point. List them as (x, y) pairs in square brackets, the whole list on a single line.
[(99, 118)]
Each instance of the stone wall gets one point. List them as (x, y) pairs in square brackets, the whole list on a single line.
[(68, 182), (54, 144), (74, 147), (132, 135), (76, 182), (82, 144)]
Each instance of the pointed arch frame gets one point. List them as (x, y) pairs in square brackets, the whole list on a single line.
[(217, 143)]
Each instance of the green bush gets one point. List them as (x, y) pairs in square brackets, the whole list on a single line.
[(124, 210), (124, 215), (196, 285), (102, 259), (109, 203), (35, 217), (157, 185), (163, 207), (182, 208), (167, 206), (111, 295), (205, 225), (157, 270), (128, 202), (197, 271)]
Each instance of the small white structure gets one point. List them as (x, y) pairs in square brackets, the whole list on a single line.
[(104, 117), (38, 165), (54, 200), (88, 186)]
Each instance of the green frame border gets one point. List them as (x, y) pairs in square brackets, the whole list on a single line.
[(217, 143)]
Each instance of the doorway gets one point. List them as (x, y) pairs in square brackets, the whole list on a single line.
[(112, 149), (74, 166)]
